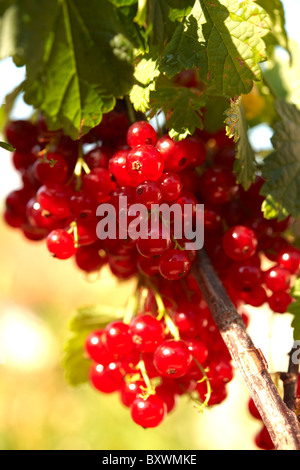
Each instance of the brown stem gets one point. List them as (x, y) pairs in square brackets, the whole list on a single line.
[(290, 379), (280, 421)]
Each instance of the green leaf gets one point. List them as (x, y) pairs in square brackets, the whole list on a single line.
[(8, 105), (145, 74), (213, 118), (9, 24), (223, 40), (277, 35), (295, 291), (237, 128), (6, 146), (182, 108), (75, 363), (281, 169), (78, 58), (294, 309), (122, 3), (283, 75)]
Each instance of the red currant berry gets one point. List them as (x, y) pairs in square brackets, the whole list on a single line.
[(130, 390), (170, 185), (218, 185), (96, 349), (239, 242), (141, 133), (147, 333), (90, 258), (117, 338), (55, 200), (174, 264), (106, 379), (156, 243), (289, 258), (61, 244), (174, 155), (98, 184), (172, 359), (277, 279), (145, 163), (52, 168), (98, 157), (253, 409), (23, 160), (263, 440), (21, 134), (148, 412), (279, 301), (117, 167), (148, 193)]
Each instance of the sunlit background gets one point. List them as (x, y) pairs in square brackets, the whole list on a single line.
[(38, 296)]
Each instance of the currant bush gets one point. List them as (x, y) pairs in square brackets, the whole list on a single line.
[(169, 346)]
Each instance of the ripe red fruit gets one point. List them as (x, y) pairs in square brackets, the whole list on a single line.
[(88, 258), (279, 301), (21, 134), (156, 243), (61, 244), (144, 163), (98, 184), (239, 243), (170, 185), (174, 154), (148, 193), (172, 359), (117, 338), (147, 333), (130, 390), (263, 440), (218, 185), (52, 168), (253, 409), (106, 379), (55, 199), (141, 133), (96, 349), (117, 167), (218, 394), (174, 264), (148, 412), (277, 279)]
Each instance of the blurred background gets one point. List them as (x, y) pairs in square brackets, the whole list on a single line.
[(38, 297)]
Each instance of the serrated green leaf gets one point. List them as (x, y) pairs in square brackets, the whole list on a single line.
[(281, 169), (146, 73), (283, 75), (6, 146), (294, 309), (277, 34), (182, 108), (237, 129), (78, 58), (223, 40), (75, 363)]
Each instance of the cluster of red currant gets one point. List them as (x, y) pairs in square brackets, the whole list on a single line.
[(170, 346), (169, 349)]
